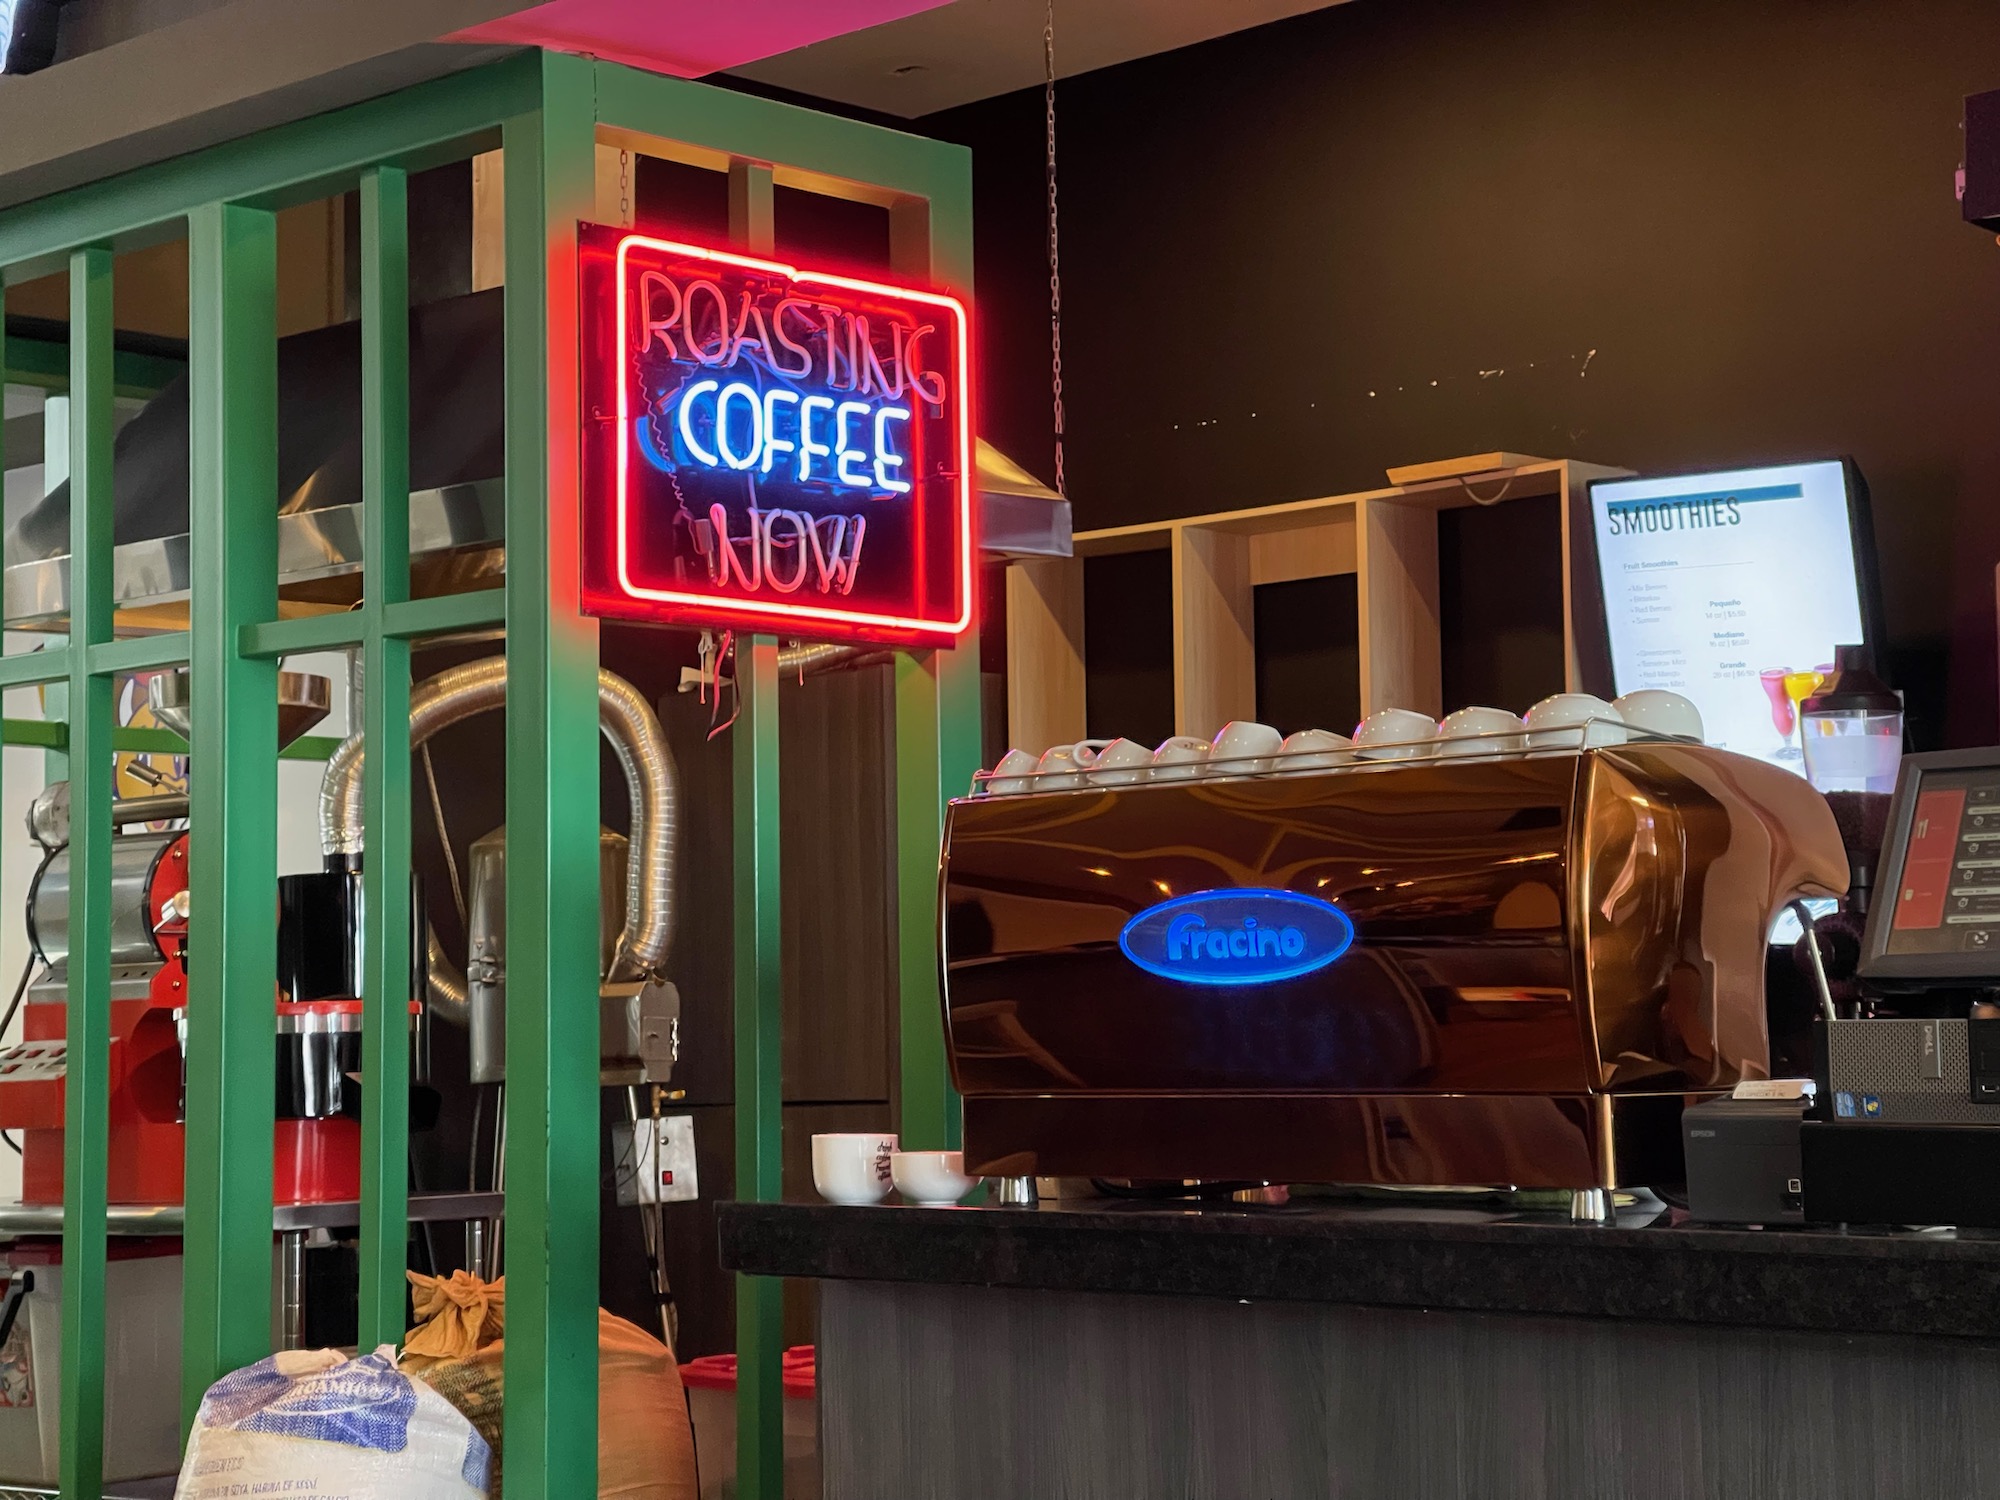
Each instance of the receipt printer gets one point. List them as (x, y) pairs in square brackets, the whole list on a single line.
[(1743, 1154)]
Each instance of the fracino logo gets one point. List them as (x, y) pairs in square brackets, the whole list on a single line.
[(1250, 936)]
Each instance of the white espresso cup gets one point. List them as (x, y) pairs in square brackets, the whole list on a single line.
[(1120, 763), (933, 1178), (1314, 750), (1058, 770), (1244, 748), (1181, 758), (853, 1169), (1395, 734), (1657, 711), (1010, 773), (1569, 721), (1479, 731)]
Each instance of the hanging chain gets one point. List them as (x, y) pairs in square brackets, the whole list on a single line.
[(624, 187), (1055, 256)]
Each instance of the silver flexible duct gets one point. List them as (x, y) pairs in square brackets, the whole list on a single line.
[(803, 658), (444, 983), (651, 780)]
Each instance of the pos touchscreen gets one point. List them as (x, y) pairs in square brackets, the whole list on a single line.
[(1936, 917)]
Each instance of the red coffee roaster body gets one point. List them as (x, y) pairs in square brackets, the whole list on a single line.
[(317, 1006)]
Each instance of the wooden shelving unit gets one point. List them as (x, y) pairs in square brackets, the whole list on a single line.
[(1387, 538)]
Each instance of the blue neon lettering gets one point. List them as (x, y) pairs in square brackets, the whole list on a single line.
[(735, 426), (886, 457), (737, 390), (688, 396), (845, 452), (773, 444), (1237, 937), (808, 445)]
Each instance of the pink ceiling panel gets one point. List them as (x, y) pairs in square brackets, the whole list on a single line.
[(687, 37)]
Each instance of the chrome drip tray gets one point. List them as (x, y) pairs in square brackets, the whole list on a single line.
[(457, 543)]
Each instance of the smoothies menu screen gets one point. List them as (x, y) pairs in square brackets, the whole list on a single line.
[(1948, 896), (1732, 589)]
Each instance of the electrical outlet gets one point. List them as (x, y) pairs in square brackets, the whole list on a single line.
[(662, 1168)]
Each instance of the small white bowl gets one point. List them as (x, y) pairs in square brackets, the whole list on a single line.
[(1395, 734), (1120, 763), (1314, 750), (1558, 723), (1244, 748), (1009, 777), (1657, 711), (1479, 731), (1181, 758), (935, 1179)]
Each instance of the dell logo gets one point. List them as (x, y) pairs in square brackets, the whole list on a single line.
[(1237, 936)]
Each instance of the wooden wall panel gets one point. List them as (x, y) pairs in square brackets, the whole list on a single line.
[(1398, 565), (985, 1394), (837, 823), (1045, 686), (1215, 630), (1306, 552)]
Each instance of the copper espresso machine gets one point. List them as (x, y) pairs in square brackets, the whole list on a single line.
[(1553, 953)]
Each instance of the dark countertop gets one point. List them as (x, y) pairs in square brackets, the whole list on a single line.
[(1928, 1283)]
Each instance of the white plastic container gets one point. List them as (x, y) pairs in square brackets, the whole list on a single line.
[(142, 1365), (711, 1391)]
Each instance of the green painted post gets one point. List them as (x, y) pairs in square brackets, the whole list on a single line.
[(759, 1028), (552, 815), (759, 971), (385, 771), (86, 1117), (937, 723), (932, 766), (233, 921)]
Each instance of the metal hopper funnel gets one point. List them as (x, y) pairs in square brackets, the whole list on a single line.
[(303, 700)]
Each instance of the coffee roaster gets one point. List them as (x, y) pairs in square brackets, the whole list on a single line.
[(1508, 969), (317, 1142)]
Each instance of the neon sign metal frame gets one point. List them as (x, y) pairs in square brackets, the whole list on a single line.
[(774, 615)]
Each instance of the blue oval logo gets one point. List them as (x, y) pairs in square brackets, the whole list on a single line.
[(1237, 937)]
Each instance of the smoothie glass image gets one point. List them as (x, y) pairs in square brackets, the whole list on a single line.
[(1783, 716), (1800, 686)]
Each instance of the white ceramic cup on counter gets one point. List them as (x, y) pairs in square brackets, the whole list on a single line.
[(1567, 721), (1120, 763), (853, 1169), (932, 1178), (1181, 758), (1244, 748), (1010, 774), (1395, 734), (1314, 750), (1480, 731), (1657, 711)]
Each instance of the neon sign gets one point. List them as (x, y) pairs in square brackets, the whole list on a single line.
[(772, 449), (1237, 937)]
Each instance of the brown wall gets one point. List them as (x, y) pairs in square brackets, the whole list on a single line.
[(1705, 234)]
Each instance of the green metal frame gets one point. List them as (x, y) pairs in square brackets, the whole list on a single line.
[(548, 112)]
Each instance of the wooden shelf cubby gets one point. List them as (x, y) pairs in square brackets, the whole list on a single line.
[(1386, 538)]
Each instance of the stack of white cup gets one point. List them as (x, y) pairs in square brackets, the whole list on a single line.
[(1563, 721)]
